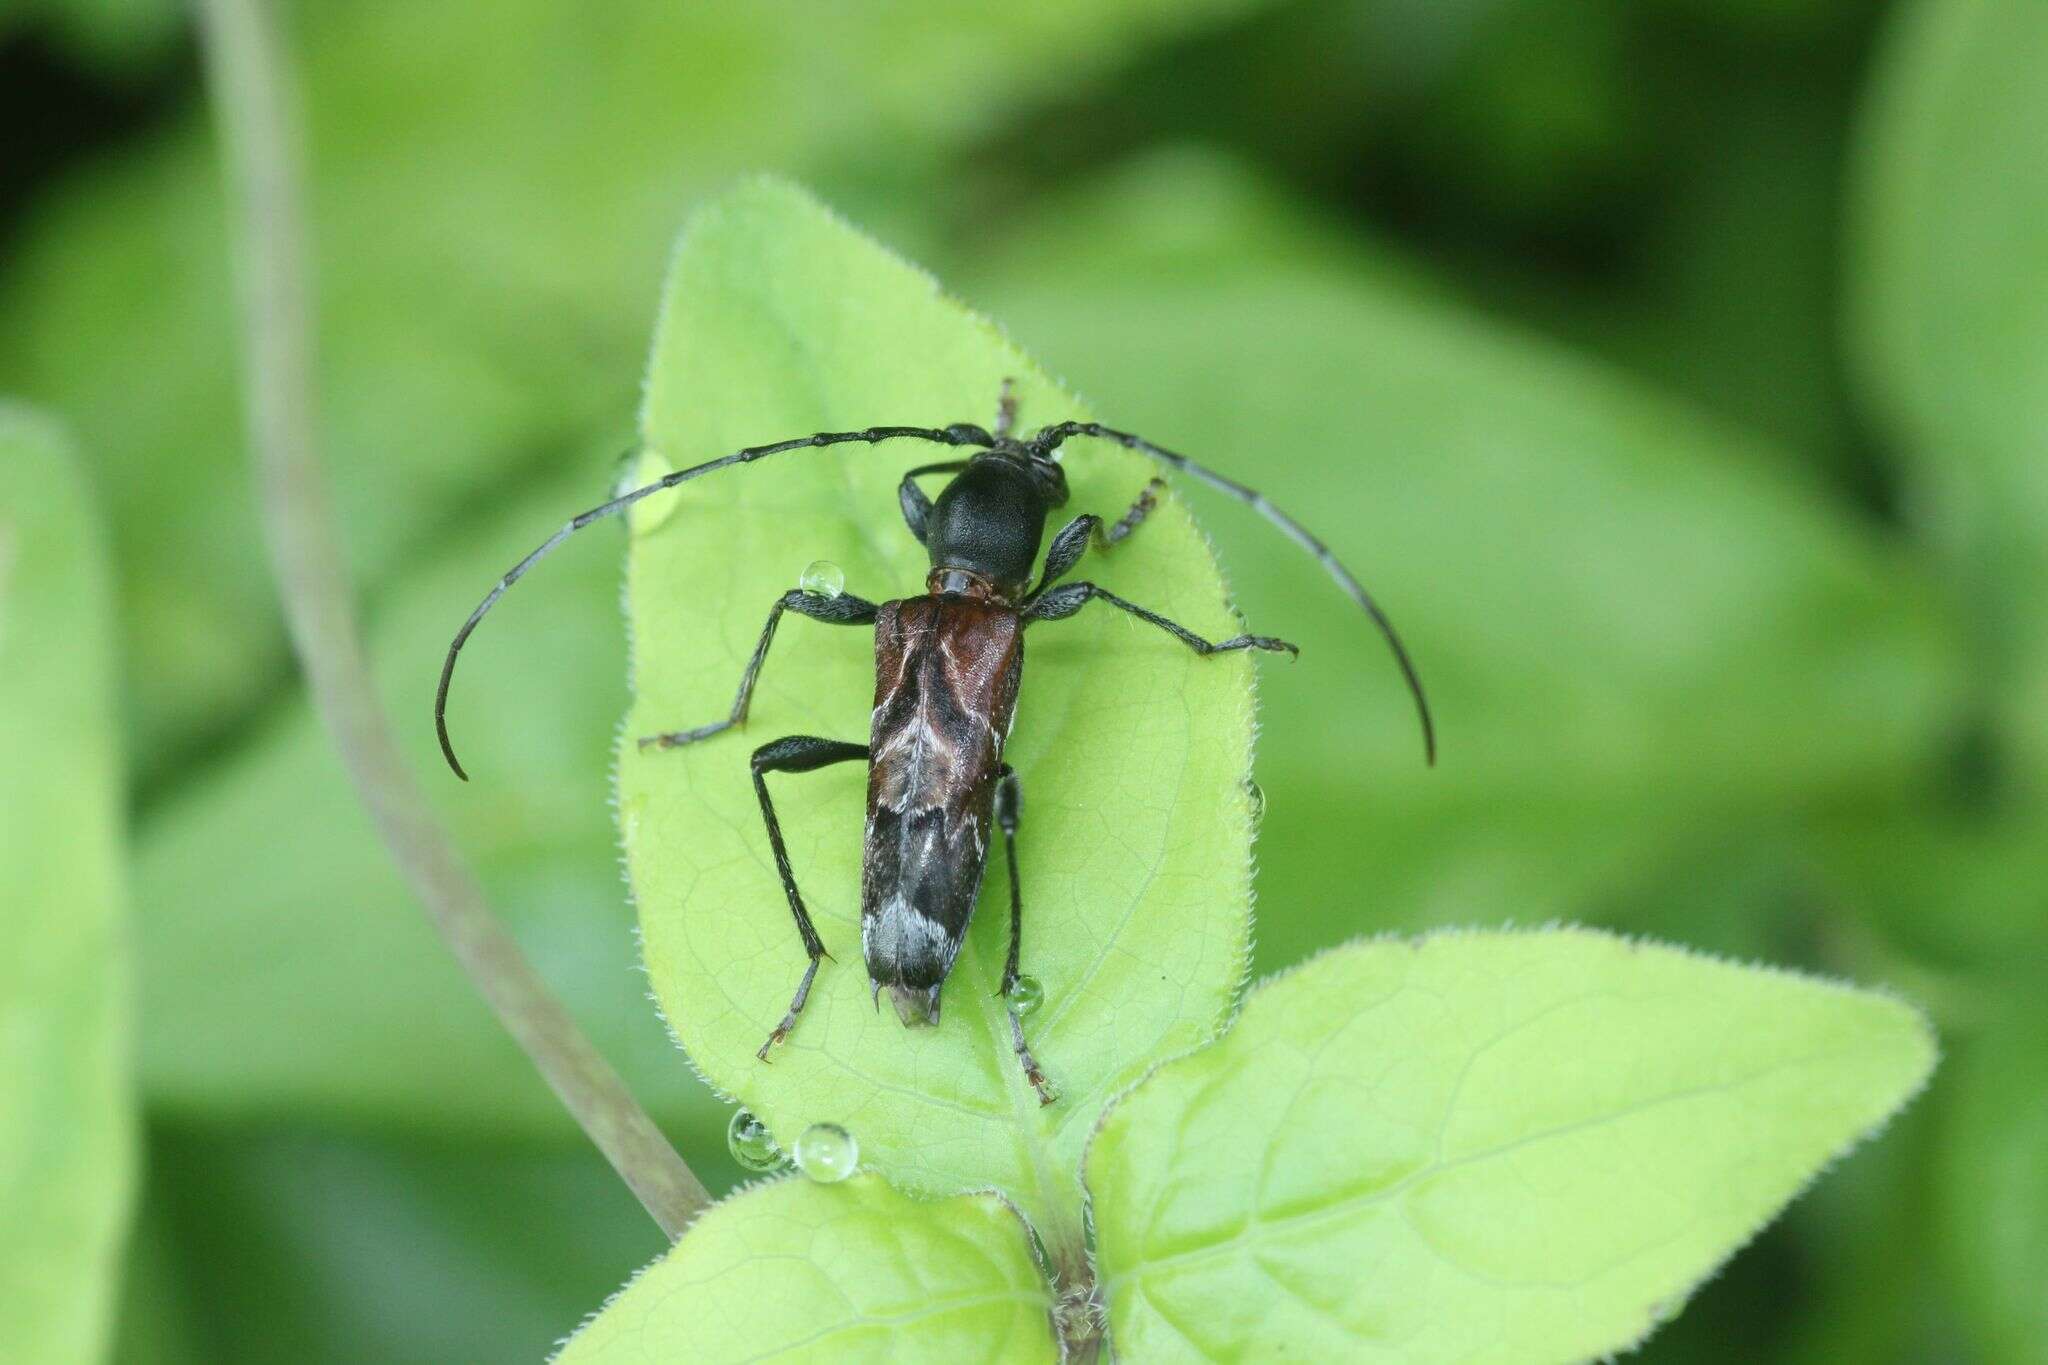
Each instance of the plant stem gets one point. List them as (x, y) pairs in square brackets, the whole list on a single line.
[(257, 114), (1079, 1313)]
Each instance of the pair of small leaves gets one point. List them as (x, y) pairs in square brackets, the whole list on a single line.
[(1408, 1150), (1512, 1147), (67, 1140)]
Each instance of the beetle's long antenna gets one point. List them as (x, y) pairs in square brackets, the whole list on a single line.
[(962, 434), (1048, 439)]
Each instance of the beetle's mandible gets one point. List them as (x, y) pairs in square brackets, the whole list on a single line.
[(947, 667)]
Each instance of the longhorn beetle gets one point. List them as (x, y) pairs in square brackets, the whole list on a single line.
[(947, 667)]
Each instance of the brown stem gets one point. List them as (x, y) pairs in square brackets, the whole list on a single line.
[(1078, 1310), (256, 110)]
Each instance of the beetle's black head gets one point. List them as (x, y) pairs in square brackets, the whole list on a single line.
[(990, 519)]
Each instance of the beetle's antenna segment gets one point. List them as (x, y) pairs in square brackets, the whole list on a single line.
[(1048, 439), (960, 434)]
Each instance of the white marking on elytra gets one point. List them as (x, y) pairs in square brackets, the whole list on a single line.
[(902, 932)]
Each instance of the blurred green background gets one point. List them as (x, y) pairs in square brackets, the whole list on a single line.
[(1676, 371)]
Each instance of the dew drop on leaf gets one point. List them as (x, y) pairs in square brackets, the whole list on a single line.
[(1025, 995), (823, 578), (751, 1144), (827, 1153)]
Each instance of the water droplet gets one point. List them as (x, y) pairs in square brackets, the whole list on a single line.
[(1025, 995), (751, 1144), (827, 1153), (823, 578), (1258, 799)]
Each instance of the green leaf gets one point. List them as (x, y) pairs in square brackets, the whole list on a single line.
[(296, 1244), (1953, 889), (1871, 1286), (118, 38), (483, 296), (1991, 1184), (1951, 316), (1638, 628), (1132, 751), (156, 1321), (67, 1140), (851, 1272), (312, 983), (1480, 1147)]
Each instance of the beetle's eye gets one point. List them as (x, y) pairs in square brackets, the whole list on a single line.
[(1051, 478)]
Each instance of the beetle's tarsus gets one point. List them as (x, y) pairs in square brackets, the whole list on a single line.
[(1006, 409), (676, 739), (1046, 1094), (1266, 642), (1147, 499)]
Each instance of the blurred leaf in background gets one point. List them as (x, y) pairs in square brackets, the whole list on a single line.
[(1636, 626), (1993, 1185), (275, 1243), (1950, 329), (117, 39), (1675, 164), (1952, 322), (67, 1104), (309, 982)]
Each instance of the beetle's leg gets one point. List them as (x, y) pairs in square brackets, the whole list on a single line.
[(1140, 508), (1009, 805), (1048, 439), (1068, 545), (843, 610), (1006, 409), (795, 754), (1063, 602), (916, 506), (1073, 539)]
